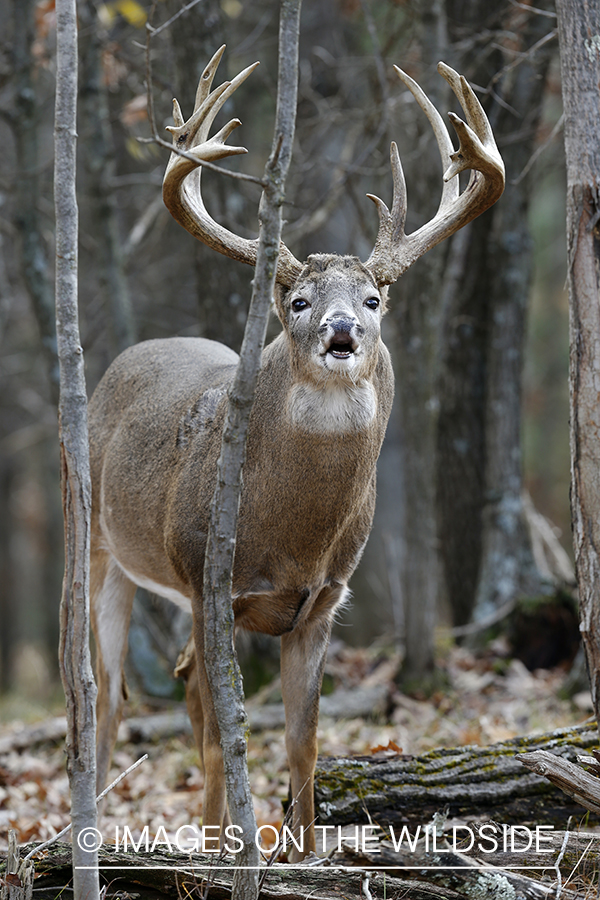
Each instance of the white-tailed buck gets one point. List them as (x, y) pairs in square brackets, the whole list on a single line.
[(318, 421)]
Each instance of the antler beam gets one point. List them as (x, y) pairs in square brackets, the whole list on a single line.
[(394, 250), (181, 185)]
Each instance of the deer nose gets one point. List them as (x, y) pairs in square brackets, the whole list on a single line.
[(340, 324)]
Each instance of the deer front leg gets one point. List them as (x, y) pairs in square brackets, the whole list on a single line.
[(303, 653)]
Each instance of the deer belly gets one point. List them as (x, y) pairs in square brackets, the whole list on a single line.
[(169, 593)]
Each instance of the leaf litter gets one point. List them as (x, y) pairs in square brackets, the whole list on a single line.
[(488, 698)]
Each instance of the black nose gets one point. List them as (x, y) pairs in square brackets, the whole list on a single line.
[(340, 325)]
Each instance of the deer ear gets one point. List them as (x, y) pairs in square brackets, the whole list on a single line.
[(279, 295), (384, 291)]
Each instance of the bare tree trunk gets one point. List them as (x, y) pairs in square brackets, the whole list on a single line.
[(484, 540), (578, 28), (25, 127), (76, 669), (416, 364), (7, 606), (99, 156), (221, 663)]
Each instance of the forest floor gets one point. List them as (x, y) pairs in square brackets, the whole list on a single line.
[(488, 698)]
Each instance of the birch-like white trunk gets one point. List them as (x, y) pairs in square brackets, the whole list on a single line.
[(76, 669), (221, 663)]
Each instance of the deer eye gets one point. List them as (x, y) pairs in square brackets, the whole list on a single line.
[(299, 304), (373, 302)]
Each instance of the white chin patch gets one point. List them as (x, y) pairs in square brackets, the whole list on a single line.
[(339, 362)]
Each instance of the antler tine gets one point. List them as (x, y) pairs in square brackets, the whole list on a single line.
[(450, 189), (391, 224), (207, 77), (182, 194), (467, 98), (477, 151)]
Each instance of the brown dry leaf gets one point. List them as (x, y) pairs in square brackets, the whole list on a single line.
[(390, 747), (135, 111)]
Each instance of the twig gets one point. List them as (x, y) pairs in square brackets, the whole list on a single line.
[(170, 21), (364, 886), (522, 56), (100, 797), (241, 176), (539, 150), (579, 861), (276, 852), (482, 624), (559, 860), (533, 9)]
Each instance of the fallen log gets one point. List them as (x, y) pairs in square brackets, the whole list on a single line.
[(468, 781), (425, 872), (342, 704), (149, 876), (581, 786)]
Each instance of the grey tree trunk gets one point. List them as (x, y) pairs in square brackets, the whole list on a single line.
[(99, 157), (484, 541), (25, 126), (417, 318), (221, 663), (579, 26), (76, 669)]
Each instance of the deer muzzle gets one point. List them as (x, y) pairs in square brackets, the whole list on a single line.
[(340, 336)]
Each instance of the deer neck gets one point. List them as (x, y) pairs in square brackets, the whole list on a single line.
[(327, 407), (331, 408)]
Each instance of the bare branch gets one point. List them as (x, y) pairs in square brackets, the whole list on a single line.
[(539, 150), (180, 12), (100, 797)]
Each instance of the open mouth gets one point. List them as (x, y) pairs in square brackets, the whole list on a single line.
[(341, 346)]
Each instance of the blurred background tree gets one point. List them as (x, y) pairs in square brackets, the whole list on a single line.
[(451, 540)]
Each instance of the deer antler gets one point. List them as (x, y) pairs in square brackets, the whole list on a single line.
[(394, 250), (182, 194)]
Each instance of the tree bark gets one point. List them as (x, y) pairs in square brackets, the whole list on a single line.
[(468, 781), (579, 26), (221, 663), (28, 190), (99, 157), (417, 366), (484, 541), (76, 669)]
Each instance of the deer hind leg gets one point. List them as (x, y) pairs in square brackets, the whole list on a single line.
[(186, 668), (206, 731), (303, 653), (112, 596)]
